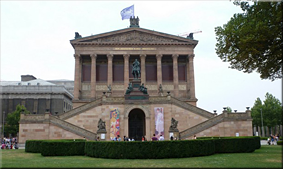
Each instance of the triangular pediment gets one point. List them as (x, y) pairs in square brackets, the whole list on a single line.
[(134, 35)]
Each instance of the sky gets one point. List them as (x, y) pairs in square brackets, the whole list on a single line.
[(35, 40)]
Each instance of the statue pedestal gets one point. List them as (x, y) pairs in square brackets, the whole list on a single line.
[(136, 94), (101, 134), (175, 134), (108, 94)]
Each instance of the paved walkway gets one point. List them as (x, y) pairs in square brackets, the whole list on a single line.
[(263, 142)]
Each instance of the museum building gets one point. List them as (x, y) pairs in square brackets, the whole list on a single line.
[(109, 99)]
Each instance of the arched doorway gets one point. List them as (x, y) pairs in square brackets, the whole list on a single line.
[(136, 124)]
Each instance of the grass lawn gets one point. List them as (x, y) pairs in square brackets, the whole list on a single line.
[(265, 157)]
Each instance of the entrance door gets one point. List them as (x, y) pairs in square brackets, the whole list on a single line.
[(136, 124)]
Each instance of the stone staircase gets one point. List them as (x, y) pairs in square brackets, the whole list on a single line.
[(191, 108), (202, 126), (80, 109), (72, 128)]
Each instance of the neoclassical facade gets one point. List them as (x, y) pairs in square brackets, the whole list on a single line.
[(103, 74), (106, 59)]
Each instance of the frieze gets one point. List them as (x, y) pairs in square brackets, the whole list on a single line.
[(118, 87), (167, 87), (101, 87), (85, 86), (182, 87), (135, 37), (151, 87)]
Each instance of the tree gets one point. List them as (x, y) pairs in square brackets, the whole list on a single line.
[(271, 111), (12, 122), (229, 109), (252, 40)]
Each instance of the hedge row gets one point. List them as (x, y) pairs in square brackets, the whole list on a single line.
[(256, 140), (279, 142), (149, 149), (144, 150), (62, 148), (35, 146)]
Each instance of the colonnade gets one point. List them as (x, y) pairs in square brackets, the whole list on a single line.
[(190, 84)]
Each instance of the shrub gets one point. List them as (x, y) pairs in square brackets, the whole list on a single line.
[(279, 142), (149, 149), (235, 145), (33, 146), (62, 147)]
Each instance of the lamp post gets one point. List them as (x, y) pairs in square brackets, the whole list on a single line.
[(262, 123)]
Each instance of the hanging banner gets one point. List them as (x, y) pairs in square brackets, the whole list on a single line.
[(114, 123), (159, 121)]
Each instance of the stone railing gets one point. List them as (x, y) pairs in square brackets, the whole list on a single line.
[(158, 99), (34, 118), (80, 109), (237, 116), (202, 126), (72, 128), (191, 108)]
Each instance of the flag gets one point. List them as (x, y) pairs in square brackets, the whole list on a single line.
[(127, 12)]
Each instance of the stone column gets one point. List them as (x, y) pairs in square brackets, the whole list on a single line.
[(93, 75), (191, 79), (143, 75), (175, 75), (126, 71), (77, 82), (35, 105), (159, 69), (110, 73)]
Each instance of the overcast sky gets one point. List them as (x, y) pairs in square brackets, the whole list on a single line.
[(35, 40)]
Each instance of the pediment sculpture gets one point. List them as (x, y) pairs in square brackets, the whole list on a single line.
[(134, 36)]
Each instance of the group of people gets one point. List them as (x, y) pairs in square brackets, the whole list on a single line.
[(9, 143), (272, 140)]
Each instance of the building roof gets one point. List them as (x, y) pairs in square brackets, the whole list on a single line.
[(34, 82)]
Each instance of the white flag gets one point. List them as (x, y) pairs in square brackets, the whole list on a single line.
[(127, 12)]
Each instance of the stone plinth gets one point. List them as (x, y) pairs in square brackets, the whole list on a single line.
[(136, 94)]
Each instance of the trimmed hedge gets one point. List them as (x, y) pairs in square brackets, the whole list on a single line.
[(256, 139), (34, 146), (279, 142), (144, 150), (149, 149), (235, 145), (62, 148)]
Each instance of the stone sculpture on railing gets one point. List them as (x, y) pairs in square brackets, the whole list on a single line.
[(101, 126), (173, 126)]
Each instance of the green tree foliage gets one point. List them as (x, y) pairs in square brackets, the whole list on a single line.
[(12, 121), (271, 111), (229, 109), (252, 40)]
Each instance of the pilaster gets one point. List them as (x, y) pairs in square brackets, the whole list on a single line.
[(93, 75), (175, 75)]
